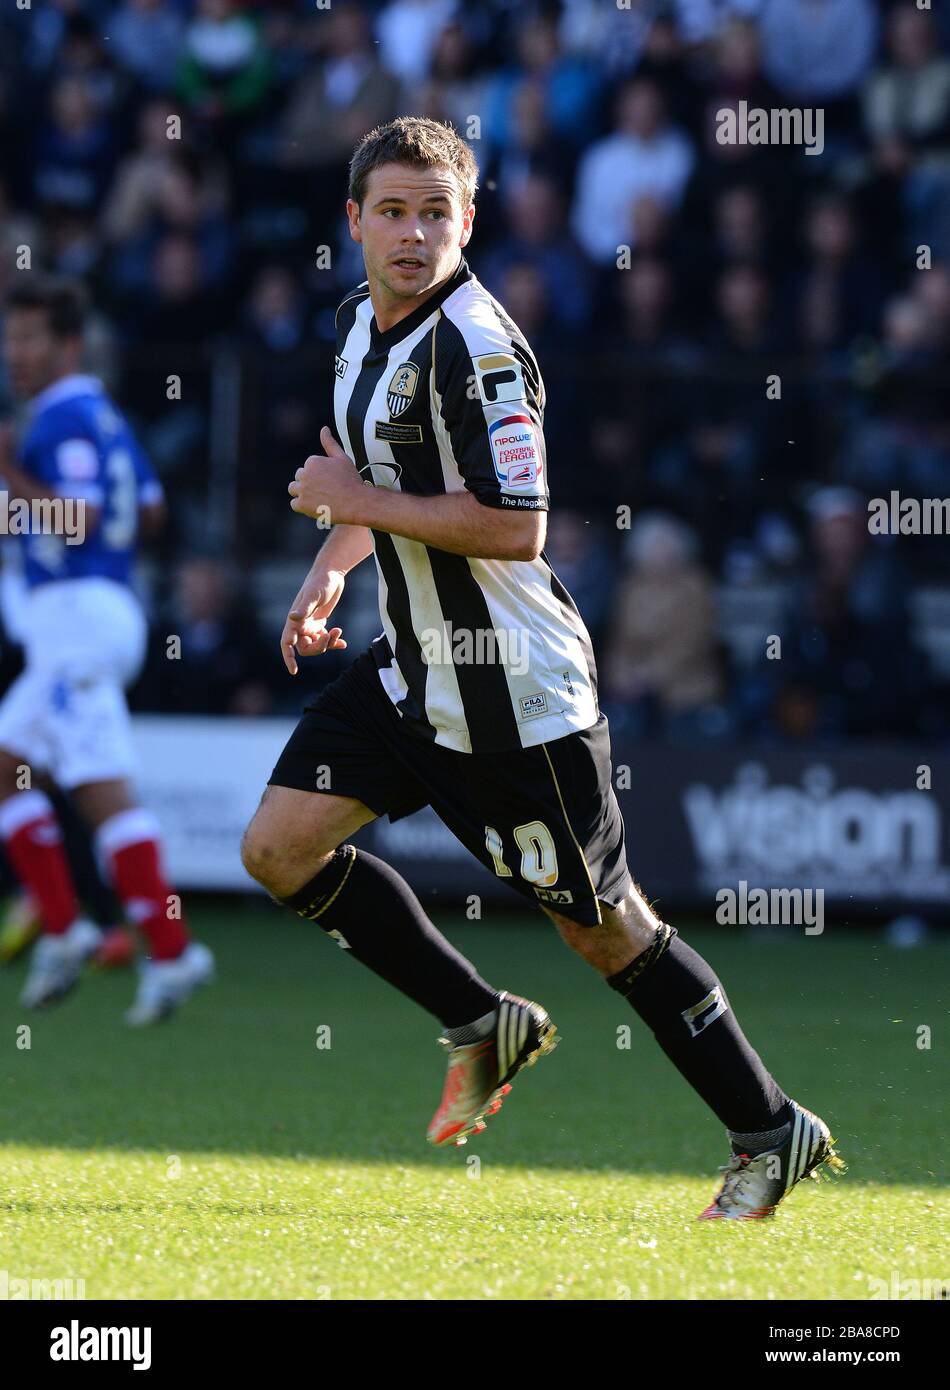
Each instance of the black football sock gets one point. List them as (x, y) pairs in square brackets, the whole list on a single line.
[(678, 996), (362, 902), (763, 1142)]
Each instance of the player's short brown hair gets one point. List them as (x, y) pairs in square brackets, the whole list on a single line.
[(419, 143), (64, 303)]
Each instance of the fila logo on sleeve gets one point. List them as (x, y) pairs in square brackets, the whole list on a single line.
[(499, 378), (515, 452)]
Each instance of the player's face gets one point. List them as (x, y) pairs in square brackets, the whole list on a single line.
[(32, 355), (412, 228)]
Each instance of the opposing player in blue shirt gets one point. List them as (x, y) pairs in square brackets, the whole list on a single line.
[(78, 488)]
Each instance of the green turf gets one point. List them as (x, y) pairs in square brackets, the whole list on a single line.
[(225, 1155)]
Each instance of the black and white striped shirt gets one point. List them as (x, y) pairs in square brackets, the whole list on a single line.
[(480, 656)]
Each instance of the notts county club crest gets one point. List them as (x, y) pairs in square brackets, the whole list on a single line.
[(402, 388)]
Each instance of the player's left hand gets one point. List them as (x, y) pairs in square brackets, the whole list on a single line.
[(328, 487)]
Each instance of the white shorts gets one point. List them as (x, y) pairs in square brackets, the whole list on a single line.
[(66, 713)]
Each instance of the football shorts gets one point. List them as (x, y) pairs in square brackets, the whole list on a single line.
[(544, 819)]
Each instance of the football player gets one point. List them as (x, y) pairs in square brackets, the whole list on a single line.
[(78, 476), (479, 697)]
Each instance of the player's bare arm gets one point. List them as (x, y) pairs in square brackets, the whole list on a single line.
[(305, 631), (456, 521)]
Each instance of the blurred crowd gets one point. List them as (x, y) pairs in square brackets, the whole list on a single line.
[(741, 343)]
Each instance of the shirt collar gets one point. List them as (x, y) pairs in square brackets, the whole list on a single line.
[(402, 329), (64, 390)]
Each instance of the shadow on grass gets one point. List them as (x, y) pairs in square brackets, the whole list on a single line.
[(299, 1053)]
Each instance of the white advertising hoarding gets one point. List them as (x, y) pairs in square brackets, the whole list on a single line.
[(203, 778)]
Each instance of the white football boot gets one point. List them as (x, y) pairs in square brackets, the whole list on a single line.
[(164, 984), (753, 1187), (57, 962)]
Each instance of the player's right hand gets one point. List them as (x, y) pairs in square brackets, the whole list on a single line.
[(305, 631)]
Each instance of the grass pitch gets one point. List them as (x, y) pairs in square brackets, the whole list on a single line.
[(269, 1142)]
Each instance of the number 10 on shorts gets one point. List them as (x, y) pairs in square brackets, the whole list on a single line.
[(538, 854)]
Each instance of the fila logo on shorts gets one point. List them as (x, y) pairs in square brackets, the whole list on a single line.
[(561, 896)]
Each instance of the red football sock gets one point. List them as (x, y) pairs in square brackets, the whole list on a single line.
[(34, 845), (129, 843)]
